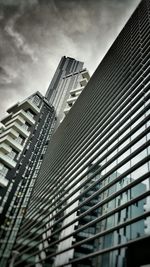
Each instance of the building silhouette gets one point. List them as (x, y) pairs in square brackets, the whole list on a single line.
[(90, 203), (24, 137), (26, 132)]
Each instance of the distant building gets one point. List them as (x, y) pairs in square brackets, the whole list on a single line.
[(68, 82)]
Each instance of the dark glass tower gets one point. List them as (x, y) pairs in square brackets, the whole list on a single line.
[(90, 205)]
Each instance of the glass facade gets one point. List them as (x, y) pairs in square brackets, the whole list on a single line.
[(90, 205)]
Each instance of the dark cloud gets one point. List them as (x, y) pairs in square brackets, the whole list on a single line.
[(35, 34)]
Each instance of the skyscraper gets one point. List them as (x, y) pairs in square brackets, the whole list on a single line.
[(68, 82), (24, 137), (25, 134), (90, 204)]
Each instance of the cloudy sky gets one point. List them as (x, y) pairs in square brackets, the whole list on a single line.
[(35, 34)]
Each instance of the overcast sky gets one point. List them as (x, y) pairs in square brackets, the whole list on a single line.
[(35, 34)]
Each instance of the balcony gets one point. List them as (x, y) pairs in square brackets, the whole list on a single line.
[(72, 100), (79, 89), (20, 129), (18, 119), (5, 148), (12, 108), (83, 82), (6, 118), (25, 117), (66, 110), (9, 132), (3, 181), (7, 161), (24, 105), (28, 104), (78, 93), (86, 75), (12, 143)]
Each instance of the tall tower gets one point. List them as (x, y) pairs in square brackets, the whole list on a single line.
[(90, 204), (68, 82), (65, 67), (25, 133), (24, 137)]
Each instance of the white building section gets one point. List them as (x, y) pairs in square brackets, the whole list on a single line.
[(83, 79), (14, 132)]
